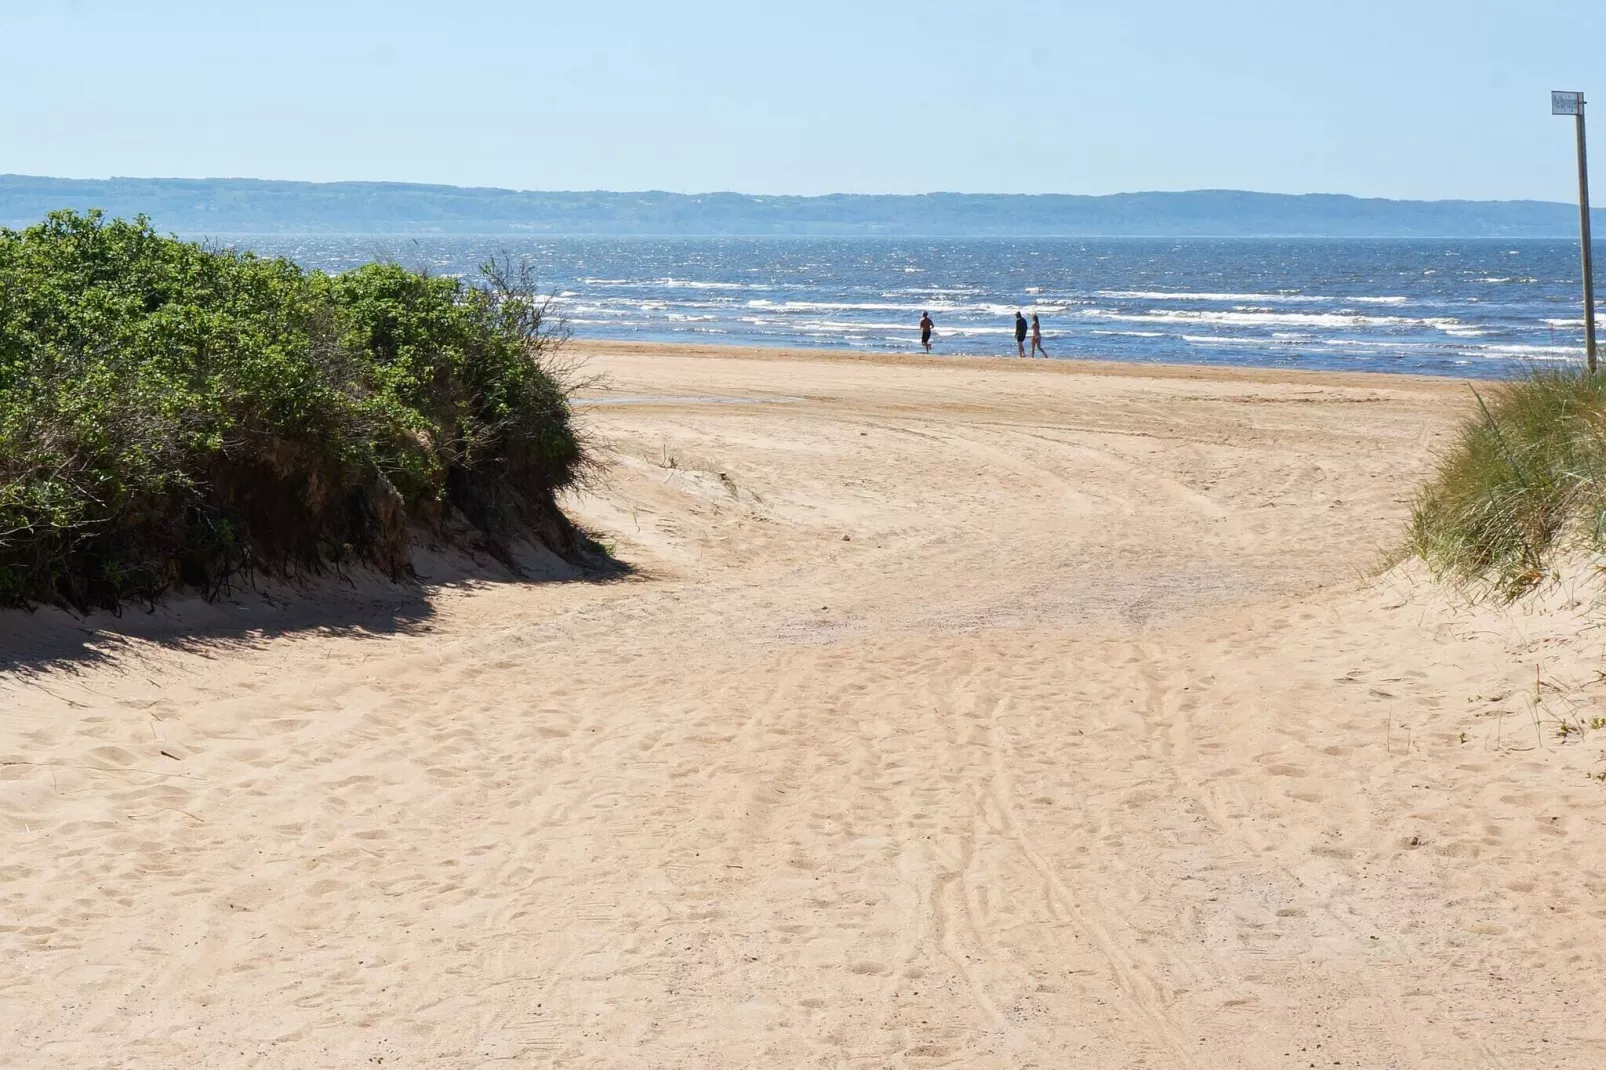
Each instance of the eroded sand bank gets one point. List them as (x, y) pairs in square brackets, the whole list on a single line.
[(960, 713)]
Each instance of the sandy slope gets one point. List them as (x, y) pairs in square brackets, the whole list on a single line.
[(961, 714)]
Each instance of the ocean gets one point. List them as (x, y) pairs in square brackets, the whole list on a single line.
[(1479, 308)]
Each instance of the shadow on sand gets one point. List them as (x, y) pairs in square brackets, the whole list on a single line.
[(361, 604)]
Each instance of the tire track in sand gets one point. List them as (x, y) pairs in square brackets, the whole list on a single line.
[(1147, 1002)]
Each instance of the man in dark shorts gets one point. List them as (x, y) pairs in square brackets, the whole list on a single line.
[(925, 330), (1020, 332)]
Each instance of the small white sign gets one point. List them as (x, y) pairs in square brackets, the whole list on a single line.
[(1563, 102)]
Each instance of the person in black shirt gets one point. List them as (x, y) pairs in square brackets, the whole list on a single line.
[(1020, 333)]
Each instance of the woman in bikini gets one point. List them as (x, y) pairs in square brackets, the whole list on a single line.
[(1037, 338)]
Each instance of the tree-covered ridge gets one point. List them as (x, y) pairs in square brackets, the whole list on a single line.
[(171, 414), (241, 205)]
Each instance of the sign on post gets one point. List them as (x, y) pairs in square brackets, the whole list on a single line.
[(1563, 102)]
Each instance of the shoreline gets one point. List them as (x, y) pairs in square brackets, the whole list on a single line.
[(1054, 366)]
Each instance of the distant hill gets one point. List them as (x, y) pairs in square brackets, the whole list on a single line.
[(242, 206)]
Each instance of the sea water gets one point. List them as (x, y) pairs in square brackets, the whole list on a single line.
[(1479, 308)]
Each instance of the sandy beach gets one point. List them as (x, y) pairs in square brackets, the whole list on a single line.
[(956, 713)]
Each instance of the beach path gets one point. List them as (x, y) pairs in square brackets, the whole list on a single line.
[(958, 713)]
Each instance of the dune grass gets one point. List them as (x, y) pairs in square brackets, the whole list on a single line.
[(171, 415), (1524, 482)]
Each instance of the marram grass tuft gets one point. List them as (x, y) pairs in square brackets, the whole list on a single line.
[(1525, 481)]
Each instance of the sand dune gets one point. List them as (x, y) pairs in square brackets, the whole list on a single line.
[(958, 713)]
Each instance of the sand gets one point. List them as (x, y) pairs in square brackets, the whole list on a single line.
[(958, 713)]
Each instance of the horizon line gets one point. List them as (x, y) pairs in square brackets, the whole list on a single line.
[(776, 196)]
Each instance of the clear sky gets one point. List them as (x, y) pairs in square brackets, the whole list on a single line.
[(1403, 98)]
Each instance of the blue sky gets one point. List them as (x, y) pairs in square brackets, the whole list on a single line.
[(1409, 98)]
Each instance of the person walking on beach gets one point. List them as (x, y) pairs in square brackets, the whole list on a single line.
[(1037, 338), (925, 330), (1020, 333)]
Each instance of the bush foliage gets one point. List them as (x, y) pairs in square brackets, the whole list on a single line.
[(1525, 479), (172, 414)]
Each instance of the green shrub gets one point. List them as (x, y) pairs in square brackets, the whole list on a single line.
[(171, 414), (1525, 478)]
